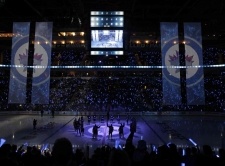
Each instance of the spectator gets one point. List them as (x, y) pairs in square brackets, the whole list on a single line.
[(119, 157), (140, 155), (62, 153)]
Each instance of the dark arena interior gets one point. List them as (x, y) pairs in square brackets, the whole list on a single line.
[(152, 71)]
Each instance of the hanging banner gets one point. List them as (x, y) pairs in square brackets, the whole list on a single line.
[(19, 61), (194, 61), (170, 62), (41, 63)]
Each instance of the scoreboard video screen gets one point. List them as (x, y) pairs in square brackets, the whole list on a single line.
[(107, 33), (106, 38)]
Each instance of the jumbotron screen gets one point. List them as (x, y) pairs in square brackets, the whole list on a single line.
[(106, 33), (106, 38)]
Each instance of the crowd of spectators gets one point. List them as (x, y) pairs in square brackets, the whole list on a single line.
[(64, 154), (134, 90)]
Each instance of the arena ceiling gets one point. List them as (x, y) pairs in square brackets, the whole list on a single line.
[(140, 15)]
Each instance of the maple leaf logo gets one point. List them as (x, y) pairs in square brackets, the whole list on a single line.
[(23, 60), (37, 60), (188, 60), (174, 61)]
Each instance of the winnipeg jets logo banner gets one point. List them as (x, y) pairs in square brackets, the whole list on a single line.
[(19, 60), (194, 61), (170, 62), (41, 63)]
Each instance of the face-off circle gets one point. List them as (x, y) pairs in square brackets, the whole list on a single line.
[(104, 130)]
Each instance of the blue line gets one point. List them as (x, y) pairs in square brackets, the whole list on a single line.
[(44, 141), (154, 131)]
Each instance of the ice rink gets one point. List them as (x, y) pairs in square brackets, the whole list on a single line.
[(156, 130)]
